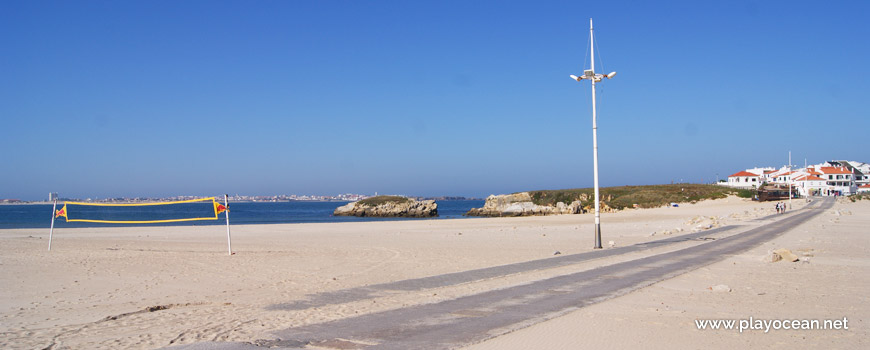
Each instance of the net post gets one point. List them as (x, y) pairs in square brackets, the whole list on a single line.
[(51, 230), (227, 214)]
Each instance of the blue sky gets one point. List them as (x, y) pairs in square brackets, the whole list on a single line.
[(159, 98)]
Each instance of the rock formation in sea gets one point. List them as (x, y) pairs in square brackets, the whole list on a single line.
[(520, 204), (388, 207)]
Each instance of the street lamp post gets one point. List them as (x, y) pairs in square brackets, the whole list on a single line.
[(589, 74), (789, 180)]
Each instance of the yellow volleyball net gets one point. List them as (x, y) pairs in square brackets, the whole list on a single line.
[(83, 212), (143, 213)]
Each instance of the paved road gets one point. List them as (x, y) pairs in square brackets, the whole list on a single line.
[(474, 318)]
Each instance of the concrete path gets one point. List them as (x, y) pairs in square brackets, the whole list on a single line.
[(452, 279)]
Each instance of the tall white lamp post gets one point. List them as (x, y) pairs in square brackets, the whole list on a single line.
[(789, 180), (590, 75)]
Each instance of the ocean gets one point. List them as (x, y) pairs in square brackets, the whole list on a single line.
[(39, 215)]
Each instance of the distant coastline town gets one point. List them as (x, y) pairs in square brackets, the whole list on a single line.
[(831, 178), (347, 197)]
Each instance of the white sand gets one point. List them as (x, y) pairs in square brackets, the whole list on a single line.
[(65, 296), (833, 284)]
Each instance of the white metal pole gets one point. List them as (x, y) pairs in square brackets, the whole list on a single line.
[(227, 213), (595, 144), (51, 230), (789, 180)]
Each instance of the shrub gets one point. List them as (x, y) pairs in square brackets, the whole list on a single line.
[(743, 193)]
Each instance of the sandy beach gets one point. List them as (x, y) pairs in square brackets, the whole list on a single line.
[(153, 287)]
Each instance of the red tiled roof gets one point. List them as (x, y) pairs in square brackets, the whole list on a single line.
[(834, 170), (743, 173), (810, 178), (865, 186)]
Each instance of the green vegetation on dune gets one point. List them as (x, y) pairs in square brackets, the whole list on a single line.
[(744, 193), (375, 201), (649, 196)]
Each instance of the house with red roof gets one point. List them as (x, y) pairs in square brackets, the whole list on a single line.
[(810, 185), (831, 178), (782, 177), (744, 179), (839, 180), (812, 171), (767, 175)]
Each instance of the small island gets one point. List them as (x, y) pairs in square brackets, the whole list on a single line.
[(389, 207)]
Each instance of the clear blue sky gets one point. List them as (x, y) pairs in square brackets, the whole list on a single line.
[(158, 98)]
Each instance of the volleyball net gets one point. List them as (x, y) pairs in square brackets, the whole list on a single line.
[(142, 213)]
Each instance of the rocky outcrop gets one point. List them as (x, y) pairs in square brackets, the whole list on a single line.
[(520, 204), (781, 254), (407, 208)]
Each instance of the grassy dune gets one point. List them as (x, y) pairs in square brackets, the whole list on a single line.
[(649, 196)]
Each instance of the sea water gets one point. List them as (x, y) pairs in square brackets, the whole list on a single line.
[(39, 215)]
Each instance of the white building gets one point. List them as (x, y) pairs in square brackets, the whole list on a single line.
[(832, 178), (810, 185), (861, 172), (839, 180), (781, 176), (744, 179)]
